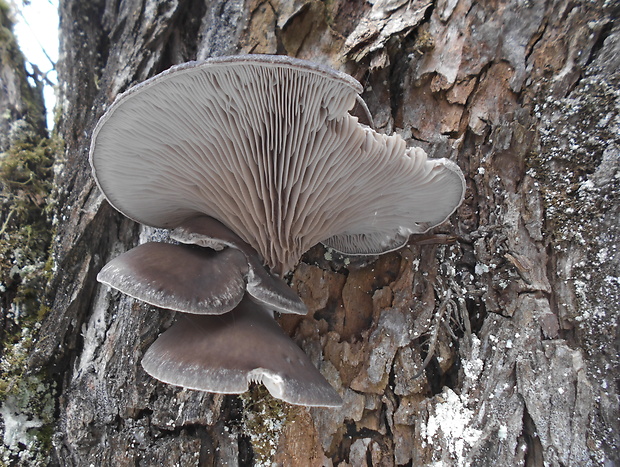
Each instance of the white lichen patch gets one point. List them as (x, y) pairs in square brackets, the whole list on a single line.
[(17, 425), (473, 366), (263, 420), (481, 269), (27, 404), (25, 413), (93, 333), (450, 424), (577, 171)]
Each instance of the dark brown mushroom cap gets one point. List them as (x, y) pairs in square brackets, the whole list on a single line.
[(183, 278), (225, 353), (270, 290), (266, 145)]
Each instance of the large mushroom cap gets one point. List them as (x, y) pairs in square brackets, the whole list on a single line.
[(225, 353), (266, 145)]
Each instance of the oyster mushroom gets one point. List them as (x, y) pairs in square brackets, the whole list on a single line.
[(179, 277), (265, 145), (203, 276), (257, 157), (225, 353)]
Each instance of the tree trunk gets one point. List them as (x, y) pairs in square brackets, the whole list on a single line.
[(513, 304), (26, 173)]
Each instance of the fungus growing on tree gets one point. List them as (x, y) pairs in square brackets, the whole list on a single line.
[(225, 353), (250, 161)]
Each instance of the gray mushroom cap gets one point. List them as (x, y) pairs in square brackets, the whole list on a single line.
[(263, 286), (266, 145), (179, 277), (192, 279), (225, 353)]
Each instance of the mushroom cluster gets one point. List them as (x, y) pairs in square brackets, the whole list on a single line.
[(250, 161)]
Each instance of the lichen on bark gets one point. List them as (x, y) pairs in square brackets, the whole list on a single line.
[(522, 348), (27, 404)]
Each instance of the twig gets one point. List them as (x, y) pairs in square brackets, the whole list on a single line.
[(6, 221), (431, 348)]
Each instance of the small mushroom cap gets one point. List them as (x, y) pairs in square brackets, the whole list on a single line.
[(270, 290), (183, 278), (225, 353), (266, 145), (209, 232)]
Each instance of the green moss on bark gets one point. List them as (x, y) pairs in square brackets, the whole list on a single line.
[(26, 191), (27, 156), (264, 418)]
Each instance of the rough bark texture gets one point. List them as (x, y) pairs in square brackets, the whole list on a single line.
[(19, 102), (517, 315)]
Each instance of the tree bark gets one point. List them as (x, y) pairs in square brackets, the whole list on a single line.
[(26, 173), (514, 302)]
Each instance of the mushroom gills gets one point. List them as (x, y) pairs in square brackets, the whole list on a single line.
[(225, 353), (258, 157), (267, 145), (182, 278)]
